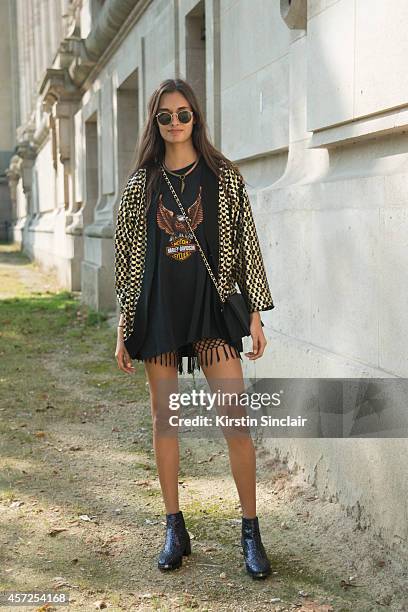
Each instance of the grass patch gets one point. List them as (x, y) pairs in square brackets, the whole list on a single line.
[(208, 519), (78, 338)]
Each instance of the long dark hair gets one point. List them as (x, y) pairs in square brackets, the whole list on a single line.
[(150, 148)]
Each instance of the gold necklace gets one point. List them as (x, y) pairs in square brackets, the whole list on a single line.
[(182, 176)]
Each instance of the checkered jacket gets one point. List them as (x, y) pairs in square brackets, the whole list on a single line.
[(240, 259)]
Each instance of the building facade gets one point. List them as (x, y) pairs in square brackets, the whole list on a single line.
[(310, 99)]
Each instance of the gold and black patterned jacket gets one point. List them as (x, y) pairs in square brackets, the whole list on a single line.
[(235, 255)]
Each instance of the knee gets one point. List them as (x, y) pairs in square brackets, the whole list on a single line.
[(239, 441), (161, 419)]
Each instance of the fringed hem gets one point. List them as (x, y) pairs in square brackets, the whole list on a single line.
[(204, 350), (173, 359), (208, 351)]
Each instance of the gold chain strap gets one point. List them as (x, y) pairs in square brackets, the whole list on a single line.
[(191, 230)]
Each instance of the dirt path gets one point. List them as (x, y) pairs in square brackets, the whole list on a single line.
[(81, 508)]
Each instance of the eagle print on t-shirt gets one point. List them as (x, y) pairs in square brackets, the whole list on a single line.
[(181, 240)]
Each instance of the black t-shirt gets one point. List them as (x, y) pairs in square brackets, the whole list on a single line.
[(183, 303)]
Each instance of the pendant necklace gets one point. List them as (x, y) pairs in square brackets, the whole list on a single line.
[(182, 176)]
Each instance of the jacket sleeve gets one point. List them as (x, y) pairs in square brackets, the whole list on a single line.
[(250, 270), (125, 224)]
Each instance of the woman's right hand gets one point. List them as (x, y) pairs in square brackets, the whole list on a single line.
[(122, 356)]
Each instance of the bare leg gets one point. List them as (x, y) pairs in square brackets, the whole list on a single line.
[(241, 448), (163, 379)]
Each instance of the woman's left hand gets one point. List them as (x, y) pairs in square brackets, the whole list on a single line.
[(259, 341)]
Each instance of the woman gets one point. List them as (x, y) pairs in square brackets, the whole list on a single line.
[(170, 304)]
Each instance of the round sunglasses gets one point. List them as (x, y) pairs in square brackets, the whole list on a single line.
[(164, 118)]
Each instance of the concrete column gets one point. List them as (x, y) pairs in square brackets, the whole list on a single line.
[(6, 97), (54, 12), (44, 35), (195, 54), (37, 36), (23, 57), (213, 69), (30, 54), (15, 82)]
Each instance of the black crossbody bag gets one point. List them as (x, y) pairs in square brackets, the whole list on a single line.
[(233, 308)]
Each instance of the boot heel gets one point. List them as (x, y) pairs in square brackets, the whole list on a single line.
[(177, 542), (187, 549), (256, 560)]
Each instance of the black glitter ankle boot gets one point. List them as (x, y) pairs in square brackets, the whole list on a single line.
[(256, 560), (177, 542)]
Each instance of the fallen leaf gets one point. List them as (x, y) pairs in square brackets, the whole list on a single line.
[(345, 584), (113, 538), (85, 517), (56, 531), (16, 504), (61, 583), (384, 600)]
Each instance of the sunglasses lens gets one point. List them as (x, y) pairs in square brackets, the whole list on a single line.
[(184, 116), (164, 118)]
